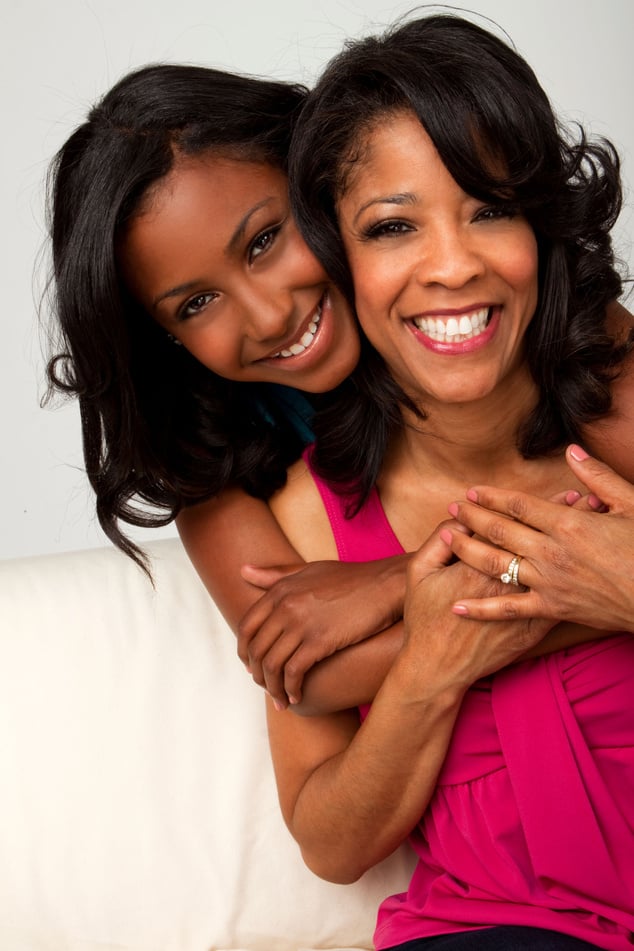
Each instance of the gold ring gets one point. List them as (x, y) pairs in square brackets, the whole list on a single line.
[(511, 573)]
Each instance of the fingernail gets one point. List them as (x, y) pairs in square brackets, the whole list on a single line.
[(293, 699), (278, 706), (578, 453), (572, 497), (453, 509), (446, 536), (594, 502), (460, 609), (472, 495)]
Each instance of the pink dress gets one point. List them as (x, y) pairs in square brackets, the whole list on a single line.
[(532, 820)]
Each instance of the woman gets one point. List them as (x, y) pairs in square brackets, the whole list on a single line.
[(478, 243)]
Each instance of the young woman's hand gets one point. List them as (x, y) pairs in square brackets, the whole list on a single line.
[(577, 562), (310, 611)]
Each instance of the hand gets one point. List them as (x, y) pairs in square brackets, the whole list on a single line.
[(450, 651), (577, 562), (310, 611)]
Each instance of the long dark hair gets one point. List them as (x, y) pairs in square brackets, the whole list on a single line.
[(485, 111), (160, 431)]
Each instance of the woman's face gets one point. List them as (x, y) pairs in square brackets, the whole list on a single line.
[(216, 259), (445, 285)]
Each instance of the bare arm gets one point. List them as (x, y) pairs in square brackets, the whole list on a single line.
[(351, 794), (223, 534)]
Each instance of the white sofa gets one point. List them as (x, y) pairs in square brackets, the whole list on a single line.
[(138, 809)]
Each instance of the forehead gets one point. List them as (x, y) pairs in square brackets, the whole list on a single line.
[(194, 218), (213, 181), (394, 144)]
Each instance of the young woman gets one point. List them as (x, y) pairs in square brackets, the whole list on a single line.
[(477, 238), (190, 314)]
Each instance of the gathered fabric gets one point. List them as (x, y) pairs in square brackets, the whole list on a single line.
[(532, 819)]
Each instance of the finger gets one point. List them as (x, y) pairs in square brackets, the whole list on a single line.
[(540, 514), (491, 561), (266, 577), (285, 666), (615, 492), (436, 552), (251, 623), (296, 668), (568, 497), (500, 530), (502, 608)]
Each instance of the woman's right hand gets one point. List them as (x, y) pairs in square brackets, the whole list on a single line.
[(309, 611)]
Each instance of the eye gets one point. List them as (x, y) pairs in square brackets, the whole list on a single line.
[(390, 228), (262, 242), (497, 212), (195, 305)]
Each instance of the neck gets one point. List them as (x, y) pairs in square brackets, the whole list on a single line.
[(475, 438)]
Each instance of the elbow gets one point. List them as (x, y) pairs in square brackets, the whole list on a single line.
[(340, 870)]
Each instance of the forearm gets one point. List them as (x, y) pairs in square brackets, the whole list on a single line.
[(360, 804), (352, 676), (223, 534)]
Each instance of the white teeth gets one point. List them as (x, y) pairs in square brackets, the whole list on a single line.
[(305, 340), (444, 329)]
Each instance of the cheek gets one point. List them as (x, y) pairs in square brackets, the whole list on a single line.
[(300, 264), (522, 264)]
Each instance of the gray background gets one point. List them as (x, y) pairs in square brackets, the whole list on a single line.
[(56, 58)]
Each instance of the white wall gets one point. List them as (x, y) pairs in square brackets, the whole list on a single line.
[(56, 57)]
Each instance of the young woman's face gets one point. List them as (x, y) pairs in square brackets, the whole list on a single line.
[(445, 285), (215, 257)]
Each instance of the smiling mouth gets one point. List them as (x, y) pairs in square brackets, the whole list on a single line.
[(454, 329), (305, 340)]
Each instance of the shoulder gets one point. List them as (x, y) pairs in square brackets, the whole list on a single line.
[(299, 509)]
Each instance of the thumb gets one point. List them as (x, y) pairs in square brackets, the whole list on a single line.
[(266, 577), (436, 552), (600, 479)]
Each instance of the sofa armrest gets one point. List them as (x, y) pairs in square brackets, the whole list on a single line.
[(138, 808)]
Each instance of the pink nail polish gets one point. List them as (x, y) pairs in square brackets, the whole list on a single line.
[(460, 609), (578, 453), (453, 509), (446, 536), (472, 495), (572, 497)]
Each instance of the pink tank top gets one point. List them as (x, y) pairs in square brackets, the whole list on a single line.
[(532, 820)]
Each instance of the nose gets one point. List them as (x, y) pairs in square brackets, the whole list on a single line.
[(451, 257), (267, 312)]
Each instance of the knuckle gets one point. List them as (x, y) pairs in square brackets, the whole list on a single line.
[(510, 609), (517, 506), (496, 530), (269, 667), (492, 564)]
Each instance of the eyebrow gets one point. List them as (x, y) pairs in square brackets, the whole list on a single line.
[(401, 198), (238, 234), (231, 245)]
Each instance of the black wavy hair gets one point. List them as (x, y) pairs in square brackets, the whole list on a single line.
[(496, 133), (160, 431)]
